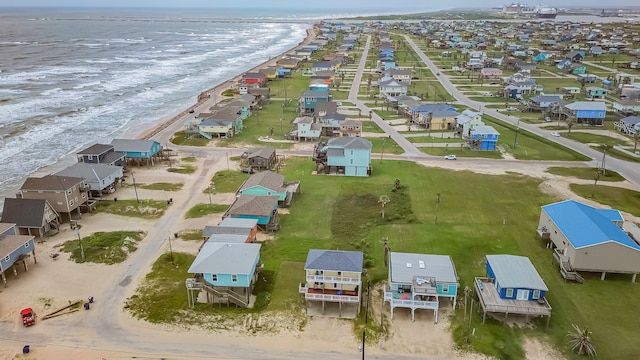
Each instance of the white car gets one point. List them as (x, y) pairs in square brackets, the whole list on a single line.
[(450, 157), (556, 134), (511, 108)]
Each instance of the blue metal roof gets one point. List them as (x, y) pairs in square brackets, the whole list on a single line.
[(513, 271), (586, 226)]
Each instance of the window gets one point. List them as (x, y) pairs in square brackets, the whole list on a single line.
[(335, 286), (214, 277), (351, 161), (509, 293), (445, 288), (7, 258), (234, 278), (89, 157), (26, 244), (536, 295), (69, 191)]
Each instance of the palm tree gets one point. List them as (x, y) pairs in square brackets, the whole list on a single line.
[(580, 341)]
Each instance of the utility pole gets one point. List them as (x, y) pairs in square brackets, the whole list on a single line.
[(135, 188), (171, 251), (516, 137), (437, 206), (383, 142), (77, 230), (212, 188), (366, 319)]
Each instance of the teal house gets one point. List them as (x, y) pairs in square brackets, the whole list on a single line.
[(266, 183), (420, 281), (137, 149), (350, 156), (310, 98), (227, 271), (262, 208)]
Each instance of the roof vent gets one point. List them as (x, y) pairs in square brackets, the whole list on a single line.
[(409, 265), (421, 264)]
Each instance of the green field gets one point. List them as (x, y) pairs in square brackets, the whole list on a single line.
[(471, 222)]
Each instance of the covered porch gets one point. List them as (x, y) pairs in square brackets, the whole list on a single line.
[(332, 302)]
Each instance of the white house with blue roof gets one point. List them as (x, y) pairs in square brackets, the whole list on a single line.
[(334, 277), (592, 239), (418, 281)]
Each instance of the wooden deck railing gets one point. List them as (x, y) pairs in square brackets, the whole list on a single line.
[(332, 298), (412, 304), (332, 279)]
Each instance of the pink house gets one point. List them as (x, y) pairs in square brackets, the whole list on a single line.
[(490, 72)]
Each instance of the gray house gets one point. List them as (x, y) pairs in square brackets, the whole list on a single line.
[(102, 154), (101, 178), (31, 216), (14, 248)]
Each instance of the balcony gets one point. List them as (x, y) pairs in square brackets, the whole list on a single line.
[(399, 300), (333, 279), (342, 296)]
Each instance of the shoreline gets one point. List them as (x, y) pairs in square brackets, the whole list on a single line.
[(217, 90), (156, 127)]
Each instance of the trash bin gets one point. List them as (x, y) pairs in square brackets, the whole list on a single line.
[(86, 306), (115, 199), (25, 349), (90, 299), (175, 235), (170, 200)]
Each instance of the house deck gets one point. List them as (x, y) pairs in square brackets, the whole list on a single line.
[(491, 302), (331, 295)]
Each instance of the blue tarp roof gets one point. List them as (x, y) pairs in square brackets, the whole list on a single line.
[(586, 226)]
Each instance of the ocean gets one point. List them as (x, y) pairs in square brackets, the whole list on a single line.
[(73, 77)]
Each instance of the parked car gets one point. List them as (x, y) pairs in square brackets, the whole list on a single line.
[(247, 170), (450, 157), (487, 93), (554, 133), (512, 108), (437, 74), (415, 78)]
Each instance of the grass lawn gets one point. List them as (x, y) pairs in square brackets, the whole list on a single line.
[(433, 139), (162, 292), (190, 234), (182, 169), (390, 146), (585, 173), (261, 123), (372, 127), (147, 209), (181, 138), (104, 247), (162, 186), (589, 138), (201, 210), (530, 146), (227, 181), (618, 198), (460, 151), (474, 219)]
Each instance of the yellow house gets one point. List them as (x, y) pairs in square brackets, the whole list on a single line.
[(216, 128), (437, 120), (271, 73), (333, 281)]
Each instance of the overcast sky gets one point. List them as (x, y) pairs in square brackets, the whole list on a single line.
[(402, 5)]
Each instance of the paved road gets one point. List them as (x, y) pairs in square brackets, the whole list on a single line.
[(631, 171), (409, 148)]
